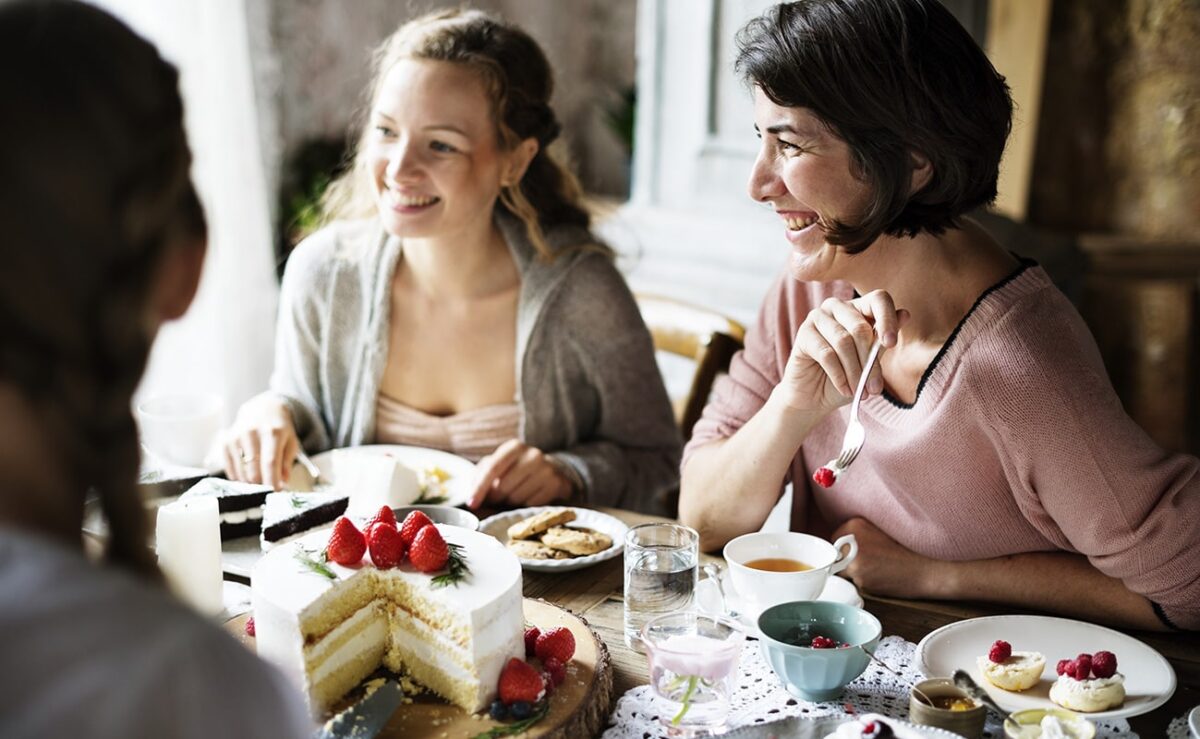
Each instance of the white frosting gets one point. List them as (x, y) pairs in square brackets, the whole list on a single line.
[(854, 729), (372, 481), (1096, 694), (484, 611)]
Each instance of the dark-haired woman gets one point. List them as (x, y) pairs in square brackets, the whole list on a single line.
[(103, 241), (999, 464), (458, 301)]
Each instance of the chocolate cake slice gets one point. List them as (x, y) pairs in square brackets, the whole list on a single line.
[(240, 504), (286, 515)]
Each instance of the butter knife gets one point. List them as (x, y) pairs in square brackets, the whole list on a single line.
[(365, 719)]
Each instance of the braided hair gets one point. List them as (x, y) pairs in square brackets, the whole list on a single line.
[(520, 83), (94, 189)]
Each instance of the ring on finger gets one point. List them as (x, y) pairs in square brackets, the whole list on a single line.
[(248, 457)]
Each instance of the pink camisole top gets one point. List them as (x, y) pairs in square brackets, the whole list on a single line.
[(472, 434)]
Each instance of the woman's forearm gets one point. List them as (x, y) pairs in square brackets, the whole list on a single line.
[(729, 487), (1049, 581)]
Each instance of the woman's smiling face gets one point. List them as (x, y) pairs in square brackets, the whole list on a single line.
[(804, 171), (433, 151)]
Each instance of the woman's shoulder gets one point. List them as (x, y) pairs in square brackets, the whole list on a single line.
[(333, 248), (1027, 334)]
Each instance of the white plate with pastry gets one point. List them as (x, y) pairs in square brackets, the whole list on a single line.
[(557, 538), (443, 478), (1149, 680)]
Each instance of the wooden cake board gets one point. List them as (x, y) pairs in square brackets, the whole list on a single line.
[(579, 707)]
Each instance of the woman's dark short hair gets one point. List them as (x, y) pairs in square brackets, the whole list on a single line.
[(888, 77)]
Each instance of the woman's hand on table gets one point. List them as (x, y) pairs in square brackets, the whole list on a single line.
[(831, 347), (262, 444), (884, 567), (519, 475)]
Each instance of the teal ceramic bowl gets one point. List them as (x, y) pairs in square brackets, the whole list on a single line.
[(810, 673)]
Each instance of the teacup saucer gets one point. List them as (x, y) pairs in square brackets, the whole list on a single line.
[(708, 599)]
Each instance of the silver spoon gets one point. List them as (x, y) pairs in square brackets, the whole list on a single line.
[(713, 570), (964, 682), (887, 667)]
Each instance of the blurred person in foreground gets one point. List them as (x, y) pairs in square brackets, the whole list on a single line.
[(104, 239), (999, 464)]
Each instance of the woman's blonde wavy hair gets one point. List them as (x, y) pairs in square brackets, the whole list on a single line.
[(519, 81)]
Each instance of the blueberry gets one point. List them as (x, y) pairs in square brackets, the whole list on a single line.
[(522, 710), (498, 710)]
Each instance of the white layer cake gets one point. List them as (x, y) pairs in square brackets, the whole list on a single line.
[(327, 635), (373, 480)]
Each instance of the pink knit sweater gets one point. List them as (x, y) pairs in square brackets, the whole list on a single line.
[(1016, 443)]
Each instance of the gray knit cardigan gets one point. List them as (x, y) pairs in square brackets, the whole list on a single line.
[(587, 382)]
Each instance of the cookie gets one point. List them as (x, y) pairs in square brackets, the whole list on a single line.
[(528, 549), (580, 542), (538, 523)]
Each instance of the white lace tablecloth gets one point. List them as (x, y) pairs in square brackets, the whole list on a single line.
[(760, 697)]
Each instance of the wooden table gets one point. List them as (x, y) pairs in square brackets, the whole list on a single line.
[(596, 594)]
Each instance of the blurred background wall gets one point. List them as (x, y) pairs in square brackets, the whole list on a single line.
[(311, 64)]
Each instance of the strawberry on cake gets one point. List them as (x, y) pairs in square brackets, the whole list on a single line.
[(441, 603), (1089, 683), (1011, 670)]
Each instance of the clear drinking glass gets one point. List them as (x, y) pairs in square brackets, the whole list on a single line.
[(693, 662), (660, 574)]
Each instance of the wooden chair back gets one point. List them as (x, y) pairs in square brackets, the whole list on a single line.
[(701, 334)]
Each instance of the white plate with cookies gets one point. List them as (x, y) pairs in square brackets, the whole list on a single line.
[(1149, 680), (557, 538)]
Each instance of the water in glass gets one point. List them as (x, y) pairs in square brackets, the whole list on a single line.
[(660, 574)]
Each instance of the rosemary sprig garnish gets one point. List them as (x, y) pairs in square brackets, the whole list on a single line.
[(517, 727), (315, 563), (457, 566)]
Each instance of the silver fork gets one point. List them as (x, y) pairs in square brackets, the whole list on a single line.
[(852, 442), (310, 466)]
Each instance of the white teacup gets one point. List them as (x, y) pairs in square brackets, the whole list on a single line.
[(181, 429), (760, 589)]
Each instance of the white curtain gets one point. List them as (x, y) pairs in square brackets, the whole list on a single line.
[(223, 344)]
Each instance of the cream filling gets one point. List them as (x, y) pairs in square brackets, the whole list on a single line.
[(249, 514), (440, 656), (370, 638)]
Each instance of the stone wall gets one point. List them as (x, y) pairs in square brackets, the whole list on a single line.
[(1119, 134)]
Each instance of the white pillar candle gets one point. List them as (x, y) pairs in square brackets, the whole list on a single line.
[(188, 535)]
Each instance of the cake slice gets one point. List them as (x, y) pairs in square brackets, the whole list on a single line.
[(240, 504), (373, 480), (329, 626), (288, 515)]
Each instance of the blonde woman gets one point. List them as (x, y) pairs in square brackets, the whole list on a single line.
[(103, 242), (457, 300)]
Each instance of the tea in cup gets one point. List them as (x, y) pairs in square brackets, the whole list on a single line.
[(768, 568)]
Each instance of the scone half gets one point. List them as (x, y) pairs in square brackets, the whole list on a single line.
[(1019, 672)]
